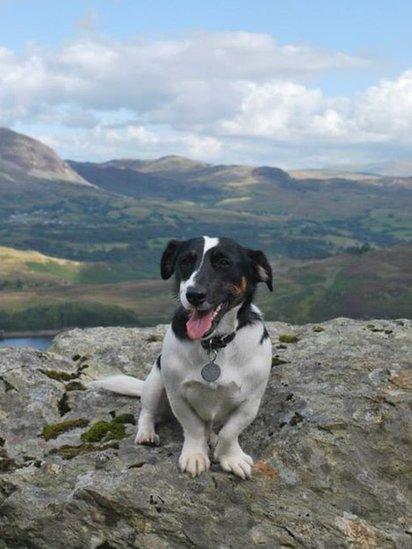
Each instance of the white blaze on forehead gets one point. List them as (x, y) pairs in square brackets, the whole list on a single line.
[(185, 284), (209, 243)]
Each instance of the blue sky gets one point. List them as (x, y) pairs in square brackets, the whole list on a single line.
[(356, 59)]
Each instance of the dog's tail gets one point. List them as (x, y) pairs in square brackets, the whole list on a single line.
[(122, 384)]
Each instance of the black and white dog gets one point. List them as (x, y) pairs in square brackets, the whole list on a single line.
[(216, 355)]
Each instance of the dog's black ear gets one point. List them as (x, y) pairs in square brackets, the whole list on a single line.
[(261, 269), (168, 261)]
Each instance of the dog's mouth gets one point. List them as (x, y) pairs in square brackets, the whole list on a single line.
[(202, 323)]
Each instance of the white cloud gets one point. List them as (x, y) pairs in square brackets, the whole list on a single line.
[(130, 140), (283, 110), (211, 95), (193, 78), (102, 141), (203, 147), (386, 109), (277, 109)]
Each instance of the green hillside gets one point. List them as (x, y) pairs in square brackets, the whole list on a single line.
[(98, 231), (53, 294), (294, 221), (375, 284), (131, 207)]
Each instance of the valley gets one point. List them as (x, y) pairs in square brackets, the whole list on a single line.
[(81, 242), (52, 295)]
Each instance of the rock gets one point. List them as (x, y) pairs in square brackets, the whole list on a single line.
[(332, 444)]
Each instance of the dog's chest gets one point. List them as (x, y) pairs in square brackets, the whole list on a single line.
[(213, 400)]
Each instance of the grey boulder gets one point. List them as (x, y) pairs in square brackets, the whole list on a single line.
[(331, 442)]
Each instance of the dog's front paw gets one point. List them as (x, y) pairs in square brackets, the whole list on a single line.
[(237, 463), (148, 437), (194, 463)]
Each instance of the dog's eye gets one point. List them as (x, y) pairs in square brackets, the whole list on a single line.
[(221, 262)]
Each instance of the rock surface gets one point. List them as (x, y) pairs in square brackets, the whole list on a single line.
[(332, 444)]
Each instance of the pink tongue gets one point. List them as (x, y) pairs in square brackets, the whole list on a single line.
[(197, 325)]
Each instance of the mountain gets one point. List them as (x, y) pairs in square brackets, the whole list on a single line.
[(23, 158), (396, 170), (373, 284), (176, 177), (169, 177), (314, 173), (131, 207), (371, 178), (29, 269), (170, 163), (101, 228)]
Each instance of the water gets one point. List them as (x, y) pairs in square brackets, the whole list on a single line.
[(41, 343)]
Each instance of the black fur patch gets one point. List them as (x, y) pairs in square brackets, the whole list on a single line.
[(179, 323), (226, 274), (265, 335), (158, 364), (246, 316)]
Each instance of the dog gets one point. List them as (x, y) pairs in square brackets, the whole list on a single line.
[(216, 355)]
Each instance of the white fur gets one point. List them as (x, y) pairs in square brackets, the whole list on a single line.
[(124, 385), (185, 284), (230, 403)]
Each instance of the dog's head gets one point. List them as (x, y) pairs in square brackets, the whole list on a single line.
[(213, 275)]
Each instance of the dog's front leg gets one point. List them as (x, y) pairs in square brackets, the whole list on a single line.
[(194, 458), (228, 451)]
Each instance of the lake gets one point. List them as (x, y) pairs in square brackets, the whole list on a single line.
[(41, 343)]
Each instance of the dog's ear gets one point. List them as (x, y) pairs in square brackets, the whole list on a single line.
[(261, 269), (168, 261)]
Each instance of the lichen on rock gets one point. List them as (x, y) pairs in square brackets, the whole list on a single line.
[(288, 338), (56, 429), (104, 430)]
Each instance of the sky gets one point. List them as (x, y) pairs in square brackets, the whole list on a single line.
[(292, 84)]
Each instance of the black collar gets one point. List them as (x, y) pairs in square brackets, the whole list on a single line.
[(217, 342)]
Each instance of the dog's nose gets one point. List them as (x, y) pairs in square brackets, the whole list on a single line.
[(195, 296)]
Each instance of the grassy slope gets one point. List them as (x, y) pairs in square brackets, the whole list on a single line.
[(33, 268), (374, 284), (42, 292)]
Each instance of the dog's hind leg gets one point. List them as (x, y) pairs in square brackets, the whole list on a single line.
[(153, 403)]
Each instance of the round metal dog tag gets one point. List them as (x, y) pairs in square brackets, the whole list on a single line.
[(210, 372)]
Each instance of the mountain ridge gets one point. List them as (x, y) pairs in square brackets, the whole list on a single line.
[(25, 158), (188, 171)]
